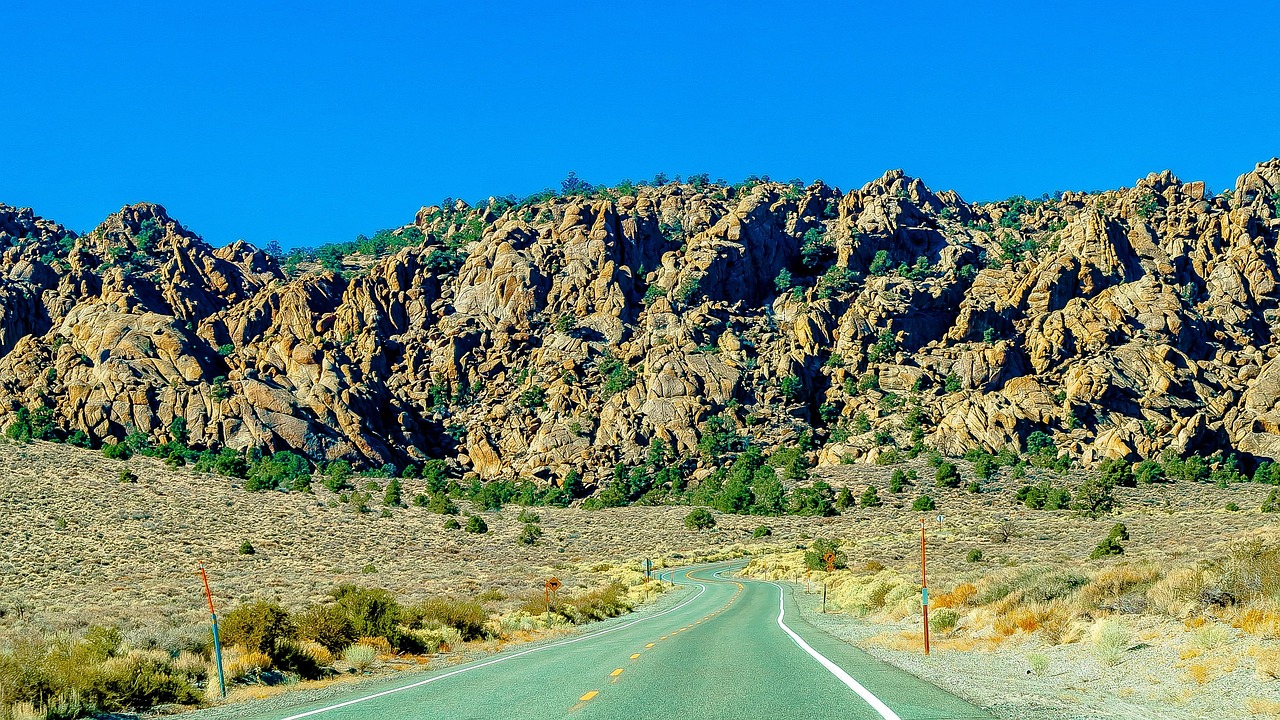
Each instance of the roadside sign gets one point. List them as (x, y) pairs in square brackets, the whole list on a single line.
[(551, 586), (830, 559)]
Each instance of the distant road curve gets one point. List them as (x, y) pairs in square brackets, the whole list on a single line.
[(731, 649)]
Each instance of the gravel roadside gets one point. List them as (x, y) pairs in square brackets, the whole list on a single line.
[(1150, 682)]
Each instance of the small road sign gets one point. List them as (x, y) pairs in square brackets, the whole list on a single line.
[(830, 559), (551, 585)]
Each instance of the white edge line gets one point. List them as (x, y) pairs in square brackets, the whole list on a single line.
[(844, 677), (495, 661)]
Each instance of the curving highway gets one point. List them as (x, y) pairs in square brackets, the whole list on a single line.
[(727, 649)]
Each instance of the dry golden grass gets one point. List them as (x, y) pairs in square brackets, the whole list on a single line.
[(1261, 619), (956, 598), (1262, 707), (239, 663), (1266, 663)]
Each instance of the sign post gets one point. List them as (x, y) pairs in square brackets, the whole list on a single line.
[(830, 558), (217, 643), (648, 569), (550, 587), (924, 588)]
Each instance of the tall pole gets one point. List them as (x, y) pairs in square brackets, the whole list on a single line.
[(924, 589), (217, 643)]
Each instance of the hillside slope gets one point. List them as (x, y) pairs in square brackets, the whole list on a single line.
[(571, 330)]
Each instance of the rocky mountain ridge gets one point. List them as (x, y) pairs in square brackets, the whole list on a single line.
[(572, 330)]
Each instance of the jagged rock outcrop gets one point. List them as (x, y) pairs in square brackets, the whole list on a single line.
[(571, 332)]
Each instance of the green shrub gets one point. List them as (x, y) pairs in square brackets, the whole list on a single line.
[(985, 466), (689, 289), (883, 348), (791, 387), (952, 383), (136, 681), (1272, 503), (870, 498), (844, 500), (1111, 544), (532, 398), (943, 620), (117, 451), (282, 469), (816, 500), (900, 479), (879, 263), (565, 324), (699, 519), (1094, 498), (814, 557), (889, 457), (1039, 443), (1192, 468), (1116, 472), (617, 376), (452, 524), (1044, 496), (394, 494), (1267, 473), (30, 425), (258, 626), (466, 616), (783, 281), (975, 555), (436, 502), (477, 525), (246, 548), (1149, 471), (947, 476), (761, 531), (924, 503), (602, 604), (530, 534), (372, 612), (328, 625)]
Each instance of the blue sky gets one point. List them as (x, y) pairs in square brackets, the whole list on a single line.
[(311, 122)]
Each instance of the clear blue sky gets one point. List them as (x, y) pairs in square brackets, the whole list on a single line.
[(308, 122)]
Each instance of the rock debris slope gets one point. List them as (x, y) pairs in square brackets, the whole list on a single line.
[(570, 331)]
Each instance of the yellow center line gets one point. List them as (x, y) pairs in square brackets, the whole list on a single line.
[(588, 696), (633, 657), (649, 645), (616, 673)]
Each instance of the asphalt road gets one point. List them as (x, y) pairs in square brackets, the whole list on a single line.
[(727, 649)]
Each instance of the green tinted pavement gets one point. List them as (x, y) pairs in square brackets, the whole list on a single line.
[(718, 652)]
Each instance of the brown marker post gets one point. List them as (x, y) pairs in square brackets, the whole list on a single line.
[(830, 558)]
